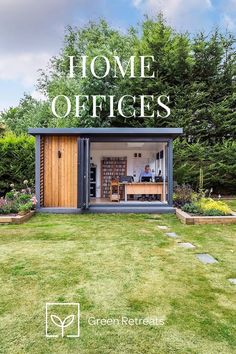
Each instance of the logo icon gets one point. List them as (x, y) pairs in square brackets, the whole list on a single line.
[(62, 319)]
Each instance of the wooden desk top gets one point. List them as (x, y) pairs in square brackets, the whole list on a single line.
[(140, 183)]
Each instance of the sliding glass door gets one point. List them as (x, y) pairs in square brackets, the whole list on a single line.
[(124, 161)]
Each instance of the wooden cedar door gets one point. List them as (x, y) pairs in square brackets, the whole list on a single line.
[(60, 173)]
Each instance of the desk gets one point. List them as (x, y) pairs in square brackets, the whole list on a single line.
[(145, 188)]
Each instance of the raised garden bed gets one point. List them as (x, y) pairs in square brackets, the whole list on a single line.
[(16, 219), (199, 219)]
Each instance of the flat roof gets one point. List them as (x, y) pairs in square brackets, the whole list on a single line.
[(167, 132)]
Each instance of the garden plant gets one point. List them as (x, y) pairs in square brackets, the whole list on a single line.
[(18, 201)]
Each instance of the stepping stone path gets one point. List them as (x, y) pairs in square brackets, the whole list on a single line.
[(206, 258), (171, 234), (186, 245)]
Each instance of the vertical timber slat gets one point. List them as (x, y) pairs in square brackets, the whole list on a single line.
[(37, 171), (42, 171), (60, 171)]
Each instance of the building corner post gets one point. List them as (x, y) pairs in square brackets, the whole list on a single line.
[(37, 171), (170, 172)]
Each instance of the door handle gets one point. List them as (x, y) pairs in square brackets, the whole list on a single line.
[(59, 154)]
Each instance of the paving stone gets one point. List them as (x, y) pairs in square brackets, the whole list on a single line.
[(232, 281), (206, 258), (171, 234), (162, 227), (186, 245)]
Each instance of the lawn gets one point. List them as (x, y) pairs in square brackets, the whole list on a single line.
[(114, 266), (231, 203)]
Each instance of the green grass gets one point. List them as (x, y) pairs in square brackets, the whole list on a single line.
[(231, 203), (114, 266)]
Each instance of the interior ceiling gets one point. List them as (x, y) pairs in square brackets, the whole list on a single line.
[(131, 146)]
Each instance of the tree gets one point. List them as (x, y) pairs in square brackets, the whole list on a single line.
[(197, 72), (29, 113), (92, 40)]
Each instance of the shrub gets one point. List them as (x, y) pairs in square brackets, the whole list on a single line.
[(24, 198), (10, 195), (213, 212), (217, 160), (2, 202), (16, 161), (14, 206), (8, 206), (16, 201), (211, 207), (25, 208), (183, 195), (191, 208), (207, 207), (6, 209)]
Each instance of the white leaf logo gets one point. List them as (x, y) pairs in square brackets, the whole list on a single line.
[(56, 320), (68, 320), (62, 324)]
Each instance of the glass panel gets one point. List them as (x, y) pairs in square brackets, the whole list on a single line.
[(141, 168)]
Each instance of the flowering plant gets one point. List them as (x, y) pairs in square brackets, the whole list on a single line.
[(207, 207), (18, 201)]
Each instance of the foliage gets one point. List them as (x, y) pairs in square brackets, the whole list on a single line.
[(232, 204), (217, 161), (25, 208), (207, 207), (2, 128), (10, 195), (18, 201), (201, 181), (24, 198), (29, 113), (4, 206), (183, 194), (197, 71), (191, 208), (16, 161)]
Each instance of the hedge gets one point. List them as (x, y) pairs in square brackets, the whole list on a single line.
[(218, 162), (16, 161)]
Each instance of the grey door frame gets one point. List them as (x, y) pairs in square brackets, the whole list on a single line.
[(130, 138), (83, 195)]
